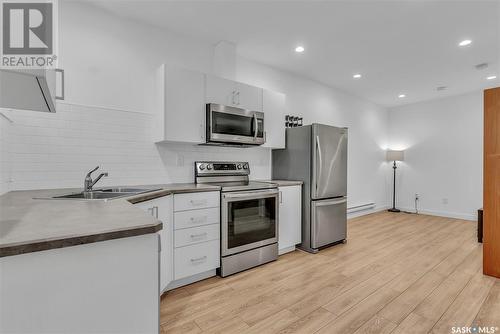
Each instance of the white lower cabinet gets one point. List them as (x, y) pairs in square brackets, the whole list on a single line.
[(196, 235), (196, 259), (162, 208), (290, 218), (190, 238)]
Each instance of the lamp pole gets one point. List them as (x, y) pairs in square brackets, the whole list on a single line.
[(393, 209)]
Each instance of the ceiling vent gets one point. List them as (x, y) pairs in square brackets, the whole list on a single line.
[(440, 88)]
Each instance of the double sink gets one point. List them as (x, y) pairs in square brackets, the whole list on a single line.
[(104, 193)]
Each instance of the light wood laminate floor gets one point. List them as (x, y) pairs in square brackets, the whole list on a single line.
[(398, 273)]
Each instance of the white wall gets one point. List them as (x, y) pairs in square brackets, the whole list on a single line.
[(110, 66), (5, 164), (318, 103), (443, 142)]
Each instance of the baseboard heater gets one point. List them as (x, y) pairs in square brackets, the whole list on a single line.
[(361, 207)]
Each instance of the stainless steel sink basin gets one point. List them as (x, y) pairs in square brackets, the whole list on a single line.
[(103, 194), (93, 195), (124, 190)]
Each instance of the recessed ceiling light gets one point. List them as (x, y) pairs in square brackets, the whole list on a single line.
[(356, 76), (465, 42), (401, 96), (299, 49), (491, 77)]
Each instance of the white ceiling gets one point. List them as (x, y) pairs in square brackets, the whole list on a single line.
[(399, 47)]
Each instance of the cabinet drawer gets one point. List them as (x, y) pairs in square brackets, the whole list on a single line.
[(193, 218), (195, 235), (183, 202), (195, 259)]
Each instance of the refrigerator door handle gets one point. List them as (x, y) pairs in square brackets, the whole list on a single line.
[(332, 202), (318, 164)]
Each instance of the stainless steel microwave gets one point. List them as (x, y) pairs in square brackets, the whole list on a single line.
[(230, 125)]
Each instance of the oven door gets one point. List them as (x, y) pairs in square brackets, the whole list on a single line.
[(234, 125), (249, 220)]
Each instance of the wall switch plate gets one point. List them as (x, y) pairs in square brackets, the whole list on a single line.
[(445, 201)]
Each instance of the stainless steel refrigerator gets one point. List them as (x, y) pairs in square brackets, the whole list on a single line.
[(317, 155)]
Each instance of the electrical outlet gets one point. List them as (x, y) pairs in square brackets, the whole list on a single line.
[(444, 201), (417, 196), (180, 160)]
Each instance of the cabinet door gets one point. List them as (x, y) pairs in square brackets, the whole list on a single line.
[(290, 218), (184, 106), (162, 208), (221, 91), (273, 105), (249, 97)]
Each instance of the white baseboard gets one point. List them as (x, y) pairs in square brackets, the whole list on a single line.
[(191, 279), (366, 212), (286, 250), (455, 215)]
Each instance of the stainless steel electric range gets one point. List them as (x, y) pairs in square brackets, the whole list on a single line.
[(249, 215)]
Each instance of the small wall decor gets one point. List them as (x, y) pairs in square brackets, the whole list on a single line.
[(293, 121)]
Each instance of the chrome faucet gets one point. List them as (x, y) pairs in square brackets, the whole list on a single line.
[(89, 183)]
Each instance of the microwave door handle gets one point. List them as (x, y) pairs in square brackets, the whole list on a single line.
[(256, 126)]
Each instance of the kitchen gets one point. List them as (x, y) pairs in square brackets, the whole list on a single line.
[(132, 97)]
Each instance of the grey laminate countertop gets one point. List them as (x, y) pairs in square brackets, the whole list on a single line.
[(284, 183), (30, 225)]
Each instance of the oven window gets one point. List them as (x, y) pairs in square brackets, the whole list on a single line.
[(230, 124), (251, 221)]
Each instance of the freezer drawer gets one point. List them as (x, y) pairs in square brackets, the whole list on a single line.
[(328, 221)]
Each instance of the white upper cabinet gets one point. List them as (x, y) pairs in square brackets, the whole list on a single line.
[(249, 97), (232, 93), (274, 118), (184, 104)]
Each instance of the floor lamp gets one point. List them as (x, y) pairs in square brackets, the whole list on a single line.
[(395, 156)]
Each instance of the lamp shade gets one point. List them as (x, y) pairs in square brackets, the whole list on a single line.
[(395, 155)]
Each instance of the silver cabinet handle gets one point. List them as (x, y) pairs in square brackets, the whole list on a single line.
[(198, 259), (233, 94), (198, 202), (238, 95), (200, 235), (198, 220), (281, 197), (154, 211)]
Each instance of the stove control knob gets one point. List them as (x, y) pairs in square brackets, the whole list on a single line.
[(209, 167), (245, 166), (239, 166), (202, 167)]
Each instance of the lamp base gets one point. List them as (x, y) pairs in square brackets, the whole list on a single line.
[(394, 210)]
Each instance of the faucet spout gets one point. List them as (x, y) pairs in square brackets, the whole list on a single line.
[(89, 183), (98, 178)]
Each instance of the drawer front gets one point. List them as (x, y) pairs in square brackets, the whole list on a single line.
[(191, 201), (193, 218), (195, 259), (195, 235)]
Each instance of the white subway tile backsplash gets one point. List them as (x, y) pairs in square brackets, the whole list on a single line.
[(42, 150)]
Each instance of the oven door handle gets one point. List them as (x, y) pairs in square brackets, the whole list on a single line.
[(252, 194)]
